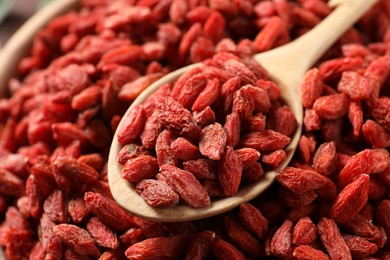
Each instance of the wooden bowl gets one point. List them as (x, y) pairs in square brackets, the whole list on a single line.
[(19, 45)]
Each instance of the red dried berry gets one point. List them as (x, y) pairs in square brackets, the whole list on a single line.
[(132, 125), (200, 245), (232, 129), (331, 107), (174, 116), (157, 193), (253, 220), (242, 238), (305, 232), (281, 241), (108, 211), (186, 185), (332, 240), (201, 168), (212, 141), (305, 252), (350, 200), (230, 171), (265, 141), (354, 85), (248, 156), (158, 247), (359, 247), (208, 95), (164, 152), (77, 239), (223, 250), (184, 149), (140, 168), (299, 180), (71, 168), (274, 159), (325, 159), (102, 234)]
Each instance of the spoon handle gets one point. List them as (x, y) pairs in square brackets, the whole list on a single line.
[(303, 52)]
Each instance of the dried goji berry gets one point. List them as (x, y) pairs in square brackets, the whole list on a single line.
[(159, 247), (132, 236), (102, 234), (132, 125), (253, 172), (331, 107), (305, 232), (71, 168), (230, 171), (108, 211), (164, 152), (212, 141), (332, 239), (224, 250), (157, 193), (255, 123), (77, 209), (382, 216), (242, 238), (232, 129), (151, 131), (243, 103), (200, 245), (184, 149), (204, 117), (361, 226), (208, 95), (281, 241), (299, 180), (174, 116), (282, 120), (54, 207), (186, 185), (253, 220), (325, 158), (140, 168), (354, 85), (294, 200), (359, 247), (201, 168), (265, 141), (312, 121), (364, 162), (10, 184), (305, 252), (248, 156), (274, 159), (77, 239), (375, 134), (266, 38), (350, 200)]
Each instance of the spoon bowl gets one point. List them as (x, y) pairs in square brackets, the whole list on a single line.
[(286, 66)]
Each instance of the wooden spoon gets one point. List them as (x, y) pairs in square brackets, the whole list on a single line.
[(286, 66)]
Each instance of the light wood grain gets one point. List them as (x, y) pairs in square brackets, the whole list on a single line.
[(286, 66)]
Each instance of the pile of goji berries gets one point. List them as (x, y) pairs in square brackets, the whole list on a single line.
[(203, 136), (86, 67)]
